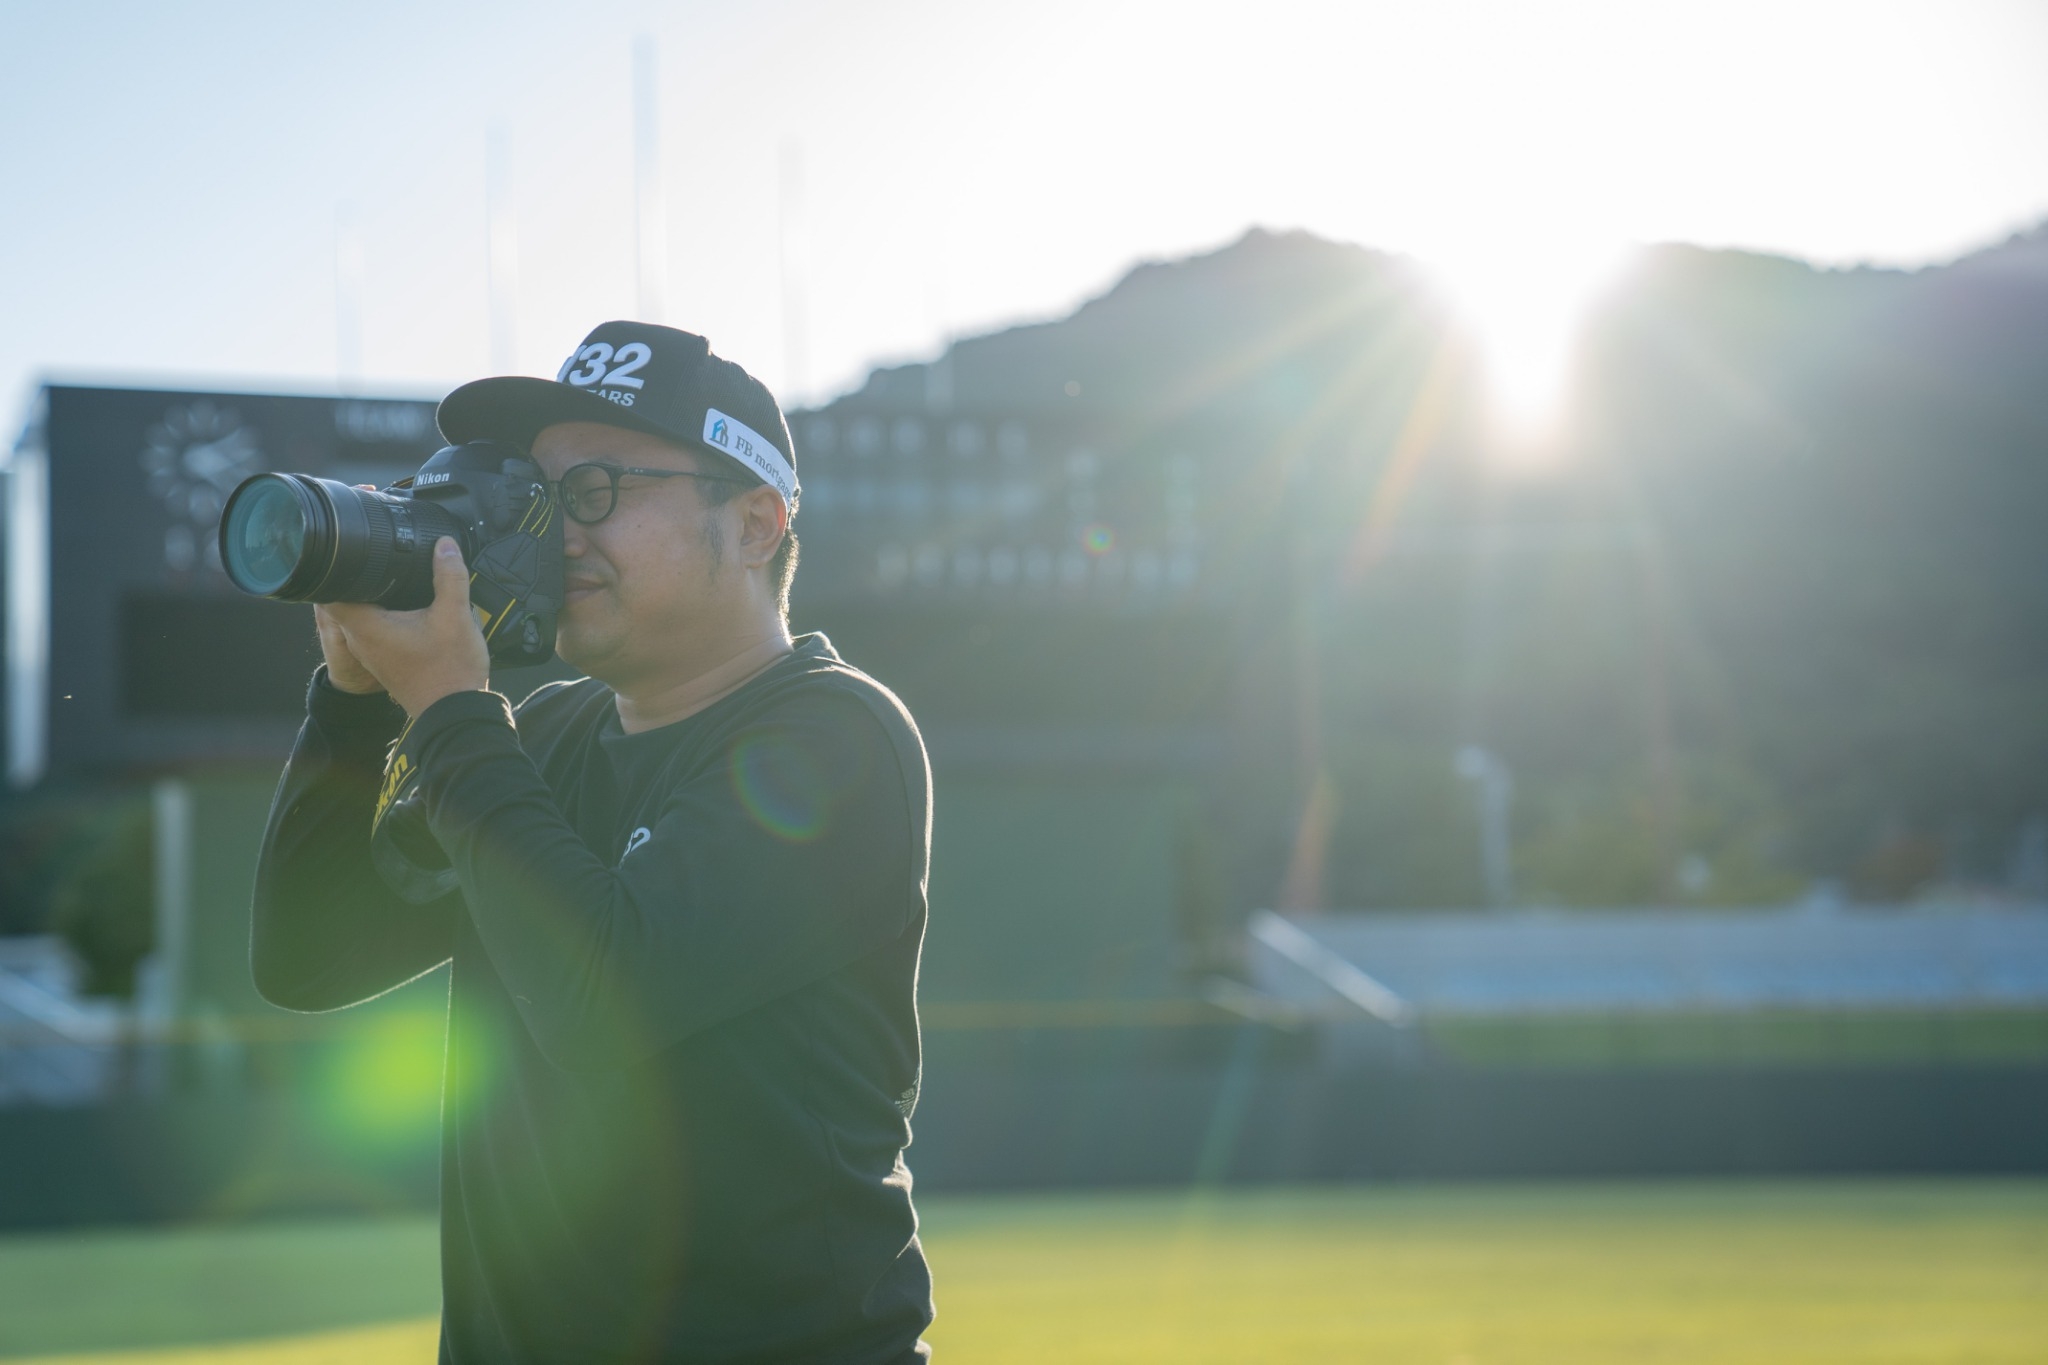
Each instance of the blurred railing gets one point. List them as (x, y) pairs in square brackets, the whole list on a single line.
[(54, 1048)]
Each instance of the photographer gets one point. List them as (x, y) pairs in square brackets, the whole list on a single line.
[(682, 1047)]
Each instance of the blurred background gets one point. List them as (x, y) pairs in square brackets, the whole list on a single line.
[(1475, 577)]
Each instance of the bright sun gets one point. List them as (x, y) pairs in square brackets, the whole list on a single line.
[(1525, 303)]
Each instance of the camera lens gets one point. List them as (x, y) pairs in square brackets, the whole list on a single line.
[(263, 534), (302, 539)]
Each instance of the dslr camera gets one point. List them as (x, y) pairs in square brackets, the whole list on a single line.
[(297, 538)]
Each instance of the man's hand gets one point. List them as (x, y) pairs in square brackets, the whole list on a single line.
[(344, 670), (418, 657)]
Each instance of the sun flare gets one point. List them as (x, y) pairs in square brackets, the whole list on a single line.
[(1525, 305)]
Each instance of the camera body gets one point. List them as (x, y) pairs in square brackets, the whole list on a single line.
[(297, 538)]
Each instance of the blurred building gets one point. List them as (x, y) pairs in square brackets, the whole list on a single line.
[(1200, 593)]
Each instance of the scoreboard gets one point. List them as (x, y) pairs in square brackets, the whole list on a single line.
[(1040, 590), (1032, 586), (127, 648), (1006, 510)]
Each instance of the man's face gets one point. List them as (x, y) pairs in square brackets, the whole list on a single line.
[(648, 576)]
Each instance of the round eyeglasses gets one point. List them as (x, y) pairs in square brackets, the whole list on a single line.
[(590, 492)]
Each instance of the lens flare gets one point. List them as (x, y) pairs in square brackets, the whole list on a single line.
[(383, 1082), (782, 787), (1098, 539)]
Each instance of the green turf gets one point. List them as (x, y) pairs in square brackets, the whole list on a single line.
[(102, 1290), (1874, 1273), (1559, 1275)]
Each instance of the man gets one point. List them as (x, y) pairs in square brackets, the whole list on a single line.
[(682, 1048)]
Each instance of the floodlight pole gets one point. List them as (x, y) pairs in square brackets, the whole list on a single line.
[(1494, 788), (348, 299), (26, 546), (161, 1003), (795, 262), (501, 248), (650, 217)]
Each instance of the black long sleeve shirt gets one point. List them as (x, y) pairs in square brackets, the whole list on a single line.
[(682, 1047)]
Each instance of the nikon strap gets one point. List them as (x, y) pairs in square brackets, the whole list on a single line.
[(514, 586), (402, 848)]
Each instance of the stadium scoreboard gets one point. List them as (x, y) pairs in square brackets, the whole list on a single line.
[(1013, 574), (127, 648)]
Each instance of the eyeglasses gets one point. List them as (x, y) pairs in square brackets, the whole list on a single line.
[(590, 492)]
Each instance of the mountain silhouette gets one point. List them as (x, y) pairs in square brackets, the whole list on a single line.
[(1770, 607)]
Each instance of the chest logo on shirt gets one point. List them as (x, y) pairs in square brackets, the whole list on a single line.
[(634, 840)]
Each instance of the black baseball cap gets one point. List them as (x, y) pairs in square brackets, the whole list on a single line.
[(647, 378)]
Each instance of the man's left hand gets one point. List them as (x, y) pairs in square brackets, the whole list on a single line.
[(422, 656)]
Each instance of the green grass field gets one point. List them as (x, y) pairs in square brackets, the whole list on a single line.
[(1676, 1274)]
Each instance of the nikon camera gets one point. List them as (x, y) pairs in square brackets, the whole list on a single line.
[(297, 538)]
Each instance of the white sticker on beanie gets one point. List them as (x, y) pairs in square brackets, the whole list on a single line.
[(750, 448)]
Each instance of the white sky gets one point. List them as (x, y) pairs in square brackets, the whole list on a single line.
[(170, 175)]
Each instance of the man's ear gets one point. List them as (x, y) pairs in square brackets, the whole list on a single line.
[(764, 518)]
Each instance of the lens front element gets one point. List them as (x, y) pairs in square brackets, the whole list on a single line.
[(298, 538), (263, 535)]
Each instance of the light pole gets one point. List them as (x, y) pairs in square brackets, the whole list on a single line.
[(1494, 789)]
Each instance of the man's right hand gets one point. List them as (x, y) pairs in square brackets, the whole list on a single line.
[(344, 670)]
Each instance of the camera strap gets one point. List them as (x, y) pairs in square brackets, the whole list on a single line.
[(514, 586), (402, 848), (515, 590)]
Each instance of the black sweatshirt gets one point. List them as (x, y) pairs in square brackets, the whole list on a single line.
[(682, 1045)]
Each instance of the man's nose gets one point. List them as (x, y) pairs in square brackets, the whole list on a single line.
[(573, 542)]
